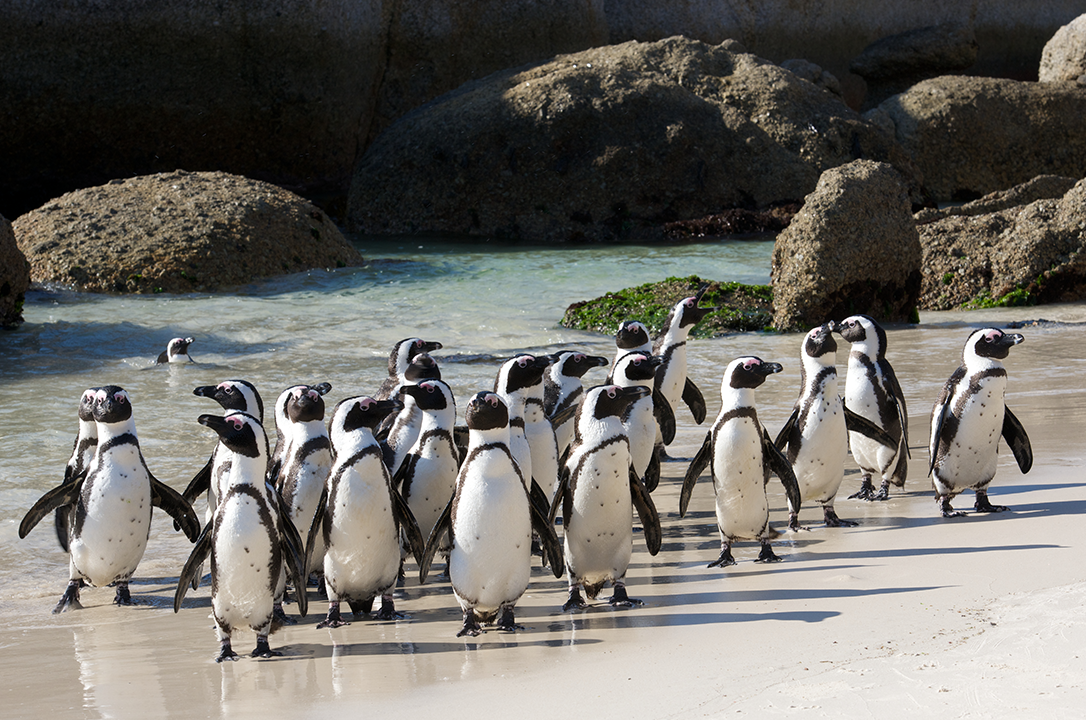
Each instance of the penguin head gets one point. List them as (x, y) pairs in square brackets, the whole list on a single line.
[(404, 350), (422, 367), (430, 394), (240, 432), (304, 403), (111, 405), (177, 350), (361, 412), (234, 395), (749, 372), (991, 343), (86, 404), (688, 312), (638, 365), (631, 334), (612, 400), (576, 364), (487, 411), (819, 343), (521, 372), (862, 330)]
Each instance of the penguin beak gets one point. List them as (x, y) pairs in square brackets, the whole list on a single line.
[(830, 326), (1013, 339), (430, 346), (634, 392), (767, 369), (205, 391), (216, 423), (322, 388)]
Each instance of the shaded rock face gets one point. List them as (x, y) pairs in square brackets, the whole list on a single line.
[(14, 277), (1064, 56), (971, 136), (607, 145), (1031, 253), (1042, 187), (177, 232), (852, 248)]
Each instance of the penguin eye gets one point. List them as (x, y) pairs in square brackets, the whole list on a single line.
[(493, 400), (120, 397), (365, 403), (313, 394), (579, 357), (237, 422), (636, 360), (418, 343), (690, 302), (750, 364), (612, 392), (523, 361)]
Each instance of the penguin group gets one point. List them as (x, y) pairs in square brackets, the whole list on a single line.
[(548, 465)]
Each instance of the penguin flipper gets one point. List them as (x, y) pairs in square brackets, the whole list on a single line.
[(780, 467), (860, 424), (646, 512), (200, 483), (62, 518), (560, 494), (899, 401), (60, 496), (273, 472), (290, 542), (443, 524), (315, 527), (1015, 435), (786, 431), (665, 416), (193, 565), (406, 521), (939, 413), (694, 400), (163, 358), (552, 548), (697, 466), (538, 498), (176, 506), (563, 415), (652, 472)]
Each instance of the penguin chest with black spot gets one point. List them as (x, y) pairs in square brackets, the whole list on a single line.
[(363, 553), (431, 484), (819, 465), (739, 474), (245, 560), (971, 455), (599, 536)]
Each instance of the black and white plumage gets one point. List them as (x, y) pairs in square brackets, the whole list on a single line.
[(599, 490), (632, 336), (968, 420), (563, 388), (110, 515), (399, 360), (520, 385), (86, 440), (671, 378), (815, 436), (872, 392), (398, 431), (177, 351), (250, 539), (639, 419), (360, 515), (741, 457), (490, 520)]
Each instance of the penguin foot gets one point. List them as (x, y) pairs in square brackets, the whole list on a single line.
[(621, 599), (833, 521), (767, 555), (388, 610), (944, 507), (883, 493), (226, 653), (507, 622), (280, 616), (575, 601), (70, 598), (983, 505), (123, 596), (334, 619), (725, 558), (471, 625), (793, 523), (263, 650), (866, 491)]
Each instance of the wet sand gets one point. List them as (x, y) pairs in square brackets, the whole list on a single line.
[(908, 614)]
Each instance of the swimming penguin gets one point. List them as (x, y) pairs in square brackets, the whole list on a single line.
[(399, 430), (563, 389), (597, 494), (177, 351), (815, 436), (671, 376), (427, 476), (872, 392), (247, 540), (86, 440), (490, 521), (968, 420), (398, 361), (520, 378), (360, 515), (111, 505), (639, 419), (741, 456)]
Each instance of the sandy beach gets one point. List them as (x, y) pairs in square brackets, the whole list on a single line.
[(907, 615)]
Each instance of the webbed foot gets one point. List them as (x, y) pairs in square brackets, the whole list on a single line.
[(333, 619), (793, 523), (983, 505), (725, 558), (70, 598), (471, 625), (832, 520), (767, 555), (263, 650), (388, 609), (506, 620), (575, 601), (226, 653), (883, 493), (279, 616), (122, 596), (621, 599), (946, 509), (866, 491)]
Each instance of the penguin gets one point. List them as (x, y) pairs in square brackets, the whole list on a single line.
[(86, 440), (520, 378), (177, 351), (872, 392), (110, 516), (815, 436), (360, 515), (631, 336), (968, 420), (597, 494), (247, 540), (398, 361), (562, 391), (671, 376), (639, 420), (427, 476), (490, 520), (399, 430), (741, 456)]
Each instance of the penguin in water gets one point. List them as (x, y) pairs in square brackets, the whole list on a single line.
[(399, 430), (968, 420), (399, 360), (427, 476), (639, 420), (872, 392), (177, 351), (741, 455), (597, 494), (490, 521), (563, 389), (815, 436), (86, 440), (247, 540), (671, 377), (360, 516), (110, 516)]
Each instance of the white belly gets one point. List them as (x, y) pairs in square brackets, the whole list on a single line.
[(972, 456), (872, 456), (599, 536), (432, 485), (820, 464), (742, 511), (640, 426), (245, 562)]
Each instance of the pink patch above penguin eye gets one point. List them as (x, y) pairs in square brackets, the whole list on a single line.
[(612, 392), (750, 364), (120, 397), (237, 422), (579, 357), (313, 394), (430, 387), (992, 336), (690, 302)]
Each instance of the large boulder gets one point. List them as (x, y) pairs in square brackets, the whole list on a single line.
[(1064, 56), (177, 232), (852, 248), (1028, 254), (14, 277), (608, 144), (971, 136), (1042, 187)]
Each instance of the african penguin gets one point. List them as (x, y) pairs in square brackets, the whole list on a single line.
[(490, 521), (597, 494), (631, 336), (110, 516), (86, 440), (639, 420), (177, 351), (872, 392), (520, 378), (247, 541), (671, 377), (398, 361), (968, 420), (399, 430), (741, 456), (562, 390)]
